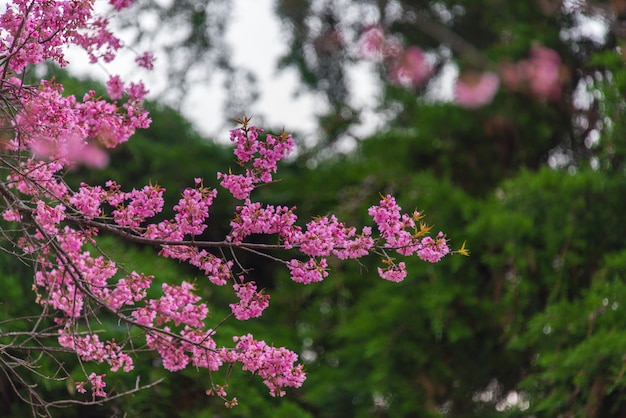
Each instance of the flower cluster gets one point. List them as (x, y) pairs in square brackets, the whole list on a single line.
[(35, 31), (251, 303), (308, 272), (90, 348), (69, 131), (52, 125), (402, 233), (97, 385), (274, 365), (252, 218), (260, 157)]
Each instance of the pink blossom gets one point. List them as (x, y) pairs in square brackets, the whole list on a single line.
[(264, 155), (251, 303), (540, 75), (356, 246), (433, 250), (137, 92), (115, 87), (544, 73), (49, 218), (61, 291), (322, 235), (71, 126), (179, 305), (202, 348), (36, 31), (308, 272), (274, 365), (171, 352), (411, 68), (38, 178), (80, 387), (130, 289), (87, 200), (145, 60), (71, 150), (394, 228), (374, 44), (392, 225), (251, 218), (97, 384), (192, 210), (393, 272), (238, 185), (90, 348), (99, 42), (473, 90), (12, 215), (246, 142), (371, 42), (121, 4), (142, 204), (93, 156)]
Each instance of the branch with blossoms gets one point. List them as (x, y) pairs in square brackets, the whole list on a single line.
[(55, 229), (59, 227)]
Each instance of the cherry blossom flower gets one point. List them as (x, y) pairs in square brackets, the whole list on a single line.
[(544, 73), (121, 4), (474, 90), (411, 68), (115, 87), (540, 75), (145, 60), (375, 44)]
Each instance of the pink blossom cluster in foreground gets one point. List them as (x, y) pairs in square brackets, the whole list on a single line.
[(59, 226), (176, 324)]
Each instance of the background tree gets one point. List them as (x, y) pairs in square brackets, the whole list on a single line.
[(485, 343)]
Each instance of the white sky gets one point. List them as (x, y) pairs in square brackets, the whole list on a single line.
[(258, 41), (255, 35)]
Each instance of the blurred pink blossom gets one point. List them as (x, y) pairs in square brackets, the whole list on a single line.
[(145, 60), (473, 90), (540, 75), (375, 45), (544, 76), (115, 87), (121, 4), (72, 151), (411, 68)]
